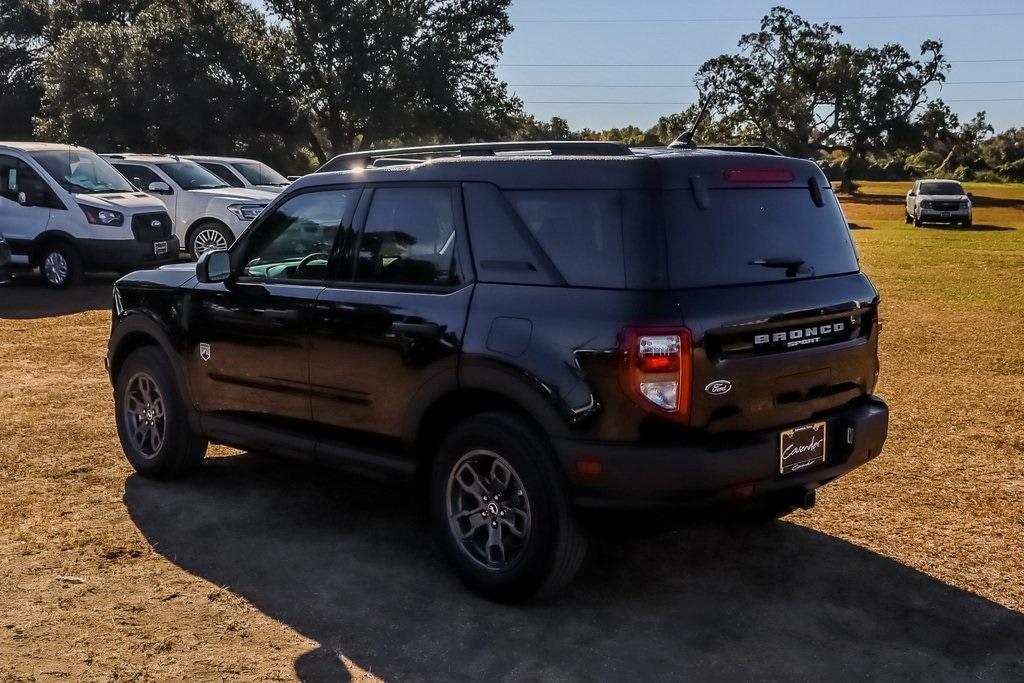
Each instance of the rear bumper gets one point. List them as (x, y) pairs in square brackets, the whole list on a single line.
[(718, 468), (121, 255)]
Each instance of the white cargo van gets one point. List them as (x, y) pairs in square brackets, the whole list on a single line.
[(67, 211)]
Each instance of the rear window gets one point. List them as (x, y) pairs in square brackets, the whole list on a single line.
[(754, 235)]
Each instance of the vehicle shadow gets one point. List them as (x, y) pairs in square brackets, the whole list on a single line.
[(351, 565), (28, 298), (976, 227)]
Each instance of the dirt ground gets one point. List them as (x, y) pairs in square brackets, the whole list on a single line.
[(911, 567)]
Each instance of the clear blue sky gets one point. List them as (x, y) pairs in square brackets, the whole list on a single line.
[(616, 41)]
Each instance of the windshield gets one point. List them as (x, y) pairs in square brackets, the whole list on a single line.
[(191, 176), (260, 174), (946, 187), (81, 172)]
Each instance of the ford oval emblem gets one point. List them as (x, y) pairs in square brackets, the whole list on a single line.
[(718, 387)]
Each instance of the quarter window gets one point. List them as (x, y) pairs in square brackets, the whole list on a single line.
[(295, 241), (409, 238)]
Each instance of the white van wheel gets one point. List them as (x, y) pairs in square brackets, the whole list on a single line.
[(60, 265)]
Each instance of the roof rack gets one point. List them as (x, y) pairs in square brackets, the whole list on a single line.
[(356, 160)]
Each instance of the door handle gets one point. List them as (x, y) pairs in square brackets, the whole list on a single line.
[(417, 329)]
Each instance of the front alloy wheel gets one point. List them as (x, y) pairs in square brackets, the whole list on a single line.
[(145, 418), (488, 510), (208, 239)]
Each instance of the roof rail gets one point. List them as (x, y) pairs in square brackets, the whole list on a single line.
[(381, 162), (356, 160), (749, 149)]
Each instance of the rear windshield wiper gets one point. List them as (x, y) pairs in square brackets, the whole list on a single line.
[(790, 263)]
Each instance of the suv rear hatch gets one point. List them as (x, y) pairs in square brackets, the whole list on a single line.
[(766, 279)]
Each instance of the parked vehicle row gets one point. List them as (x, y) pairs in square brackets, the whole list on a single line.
[(207, 213), (67, 210), (521, 330)]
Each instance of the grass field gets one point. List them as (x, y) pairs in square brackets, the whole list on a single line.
[(238, 576)]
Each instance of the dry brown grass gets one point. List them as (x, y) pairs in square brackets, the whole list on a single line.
[(946, 497)]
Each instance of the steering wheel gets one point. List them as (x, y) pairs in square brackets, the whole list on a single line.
[(309, 259)]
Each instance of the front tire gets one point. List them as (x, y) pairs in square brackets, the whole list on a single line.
[(907, 219), (209, 236), (501, 511), (152, 420), (60, 266), (917, 221)]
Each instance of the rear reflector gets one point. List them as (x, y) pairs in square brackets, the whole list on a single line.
[(759, 175)]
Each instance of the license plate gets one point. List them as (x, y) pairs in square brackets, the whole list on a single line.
[(159, 248), (801, 447)]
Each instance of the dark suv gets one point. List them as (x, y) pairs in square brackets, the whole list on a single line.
[(522, 330)]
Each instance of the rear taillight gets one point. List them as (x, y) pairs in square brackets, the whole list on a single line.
[(656, 370)]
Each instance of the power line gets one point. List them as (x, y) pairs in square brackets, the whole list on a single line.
[(606, 66), (710, 20), (671, 85), (675, 104)]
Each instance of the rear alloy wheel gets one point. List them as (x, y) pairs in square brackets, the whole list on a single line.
[(501, 510), (209, 237), (60, 266)]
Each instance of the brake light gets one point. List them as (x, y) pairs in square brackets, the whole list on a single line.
[(656, 370), (759, 175)]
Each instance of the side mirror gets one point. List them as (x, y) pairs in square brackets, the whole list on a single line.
[(159, 187), (23, 199), (911, 194), (970, 195), (213, 266)]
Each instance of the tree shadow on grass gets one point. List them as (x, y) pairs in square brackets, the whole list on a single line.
[(28, 298), (351, 565), (901, 200)]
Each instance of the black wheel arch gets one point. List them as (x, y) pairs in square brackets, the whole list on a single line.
[(47, 238), (135, 330), (485, 387)]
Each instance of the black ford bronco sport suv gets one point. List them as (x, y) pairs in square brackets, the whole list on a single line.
[(521, 329)]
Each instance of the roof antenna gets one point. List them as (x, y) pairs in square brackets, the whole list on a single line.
[(685, 141)]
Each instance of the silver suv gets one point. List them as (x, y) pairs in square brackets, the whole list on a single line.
[(939, 201)]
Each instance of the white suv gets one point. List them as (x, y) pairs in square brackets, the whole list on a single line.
[(939, 201), (239, 172), (208, 214), (64, 209)]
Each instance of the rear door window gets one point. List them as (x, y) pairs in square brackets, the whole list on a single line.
[(409, 239), (749, 235)]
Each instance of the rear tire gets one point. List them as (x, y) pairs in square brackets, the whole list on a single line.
[(208, 236), (501, 511), (60, 265), (152, 419)]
